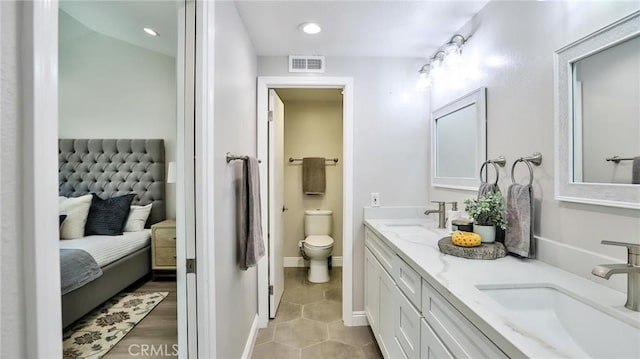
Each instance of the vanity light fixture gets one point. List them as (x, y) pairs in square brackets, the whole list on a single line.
[(310, 28), (449, 56), (150, 31), (424, 79)]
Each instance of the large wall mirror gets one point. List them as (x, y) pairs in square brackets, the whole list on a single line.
[(459, 142), (598, 116)]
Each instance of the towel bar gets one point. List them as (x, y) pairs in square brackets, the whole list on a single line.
[(536, 159), (334, 160), (500, 161), (231, 157), (617, 159)]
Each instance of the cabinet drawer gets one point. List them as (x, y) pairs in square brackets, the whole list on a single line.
[(165, 257), (407, 328), (408, 280), (459, 335), (381, 251), (165, 237), (431, 347)]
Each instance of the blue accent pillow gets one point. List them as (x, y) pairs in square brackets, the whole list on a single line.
[(62, 218), (108, 216)]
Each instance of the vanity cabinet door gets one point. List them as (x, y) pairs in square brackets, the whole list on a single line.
[(431, 347), (407, 328), (380, 303), (387, 295), (371, 289)]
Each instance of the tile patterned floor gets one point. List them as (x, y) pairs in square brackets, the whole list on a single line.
[(308, 324)]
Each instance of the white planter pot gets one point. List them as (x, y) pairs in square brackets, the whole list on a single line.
[(487, 233)]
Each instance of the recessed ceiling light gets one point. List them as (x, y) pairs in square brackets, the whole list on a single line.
[(150, 31), (310, 28)]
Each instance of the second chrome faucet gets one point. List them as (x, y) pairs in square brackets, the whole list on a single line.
[(442, 212)]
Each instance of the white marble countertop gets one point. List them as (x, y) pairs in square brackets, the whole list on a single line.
[(456, 279)]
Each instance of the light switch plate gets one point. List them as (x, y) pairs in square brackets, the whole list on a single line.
[(375, 199)]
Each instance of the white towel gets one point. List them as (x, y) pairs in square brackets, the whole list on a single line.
[(519, 235), (250, 239)]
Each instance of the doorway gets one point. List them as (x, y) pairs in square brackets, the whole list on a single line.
[(46, 32), (269, 270), (120, 80)]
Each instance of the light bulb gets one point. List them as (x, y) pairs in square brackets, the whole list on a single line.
[(424, 81)]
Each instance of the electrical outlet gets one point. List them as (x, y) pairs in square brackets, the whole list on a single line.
[(375, 199)]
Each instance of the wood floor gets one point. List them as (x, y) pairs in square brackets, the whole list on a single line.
[(156, 336)]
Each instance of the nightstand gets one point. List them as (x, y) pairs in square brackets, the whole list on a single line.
[(163, 246)]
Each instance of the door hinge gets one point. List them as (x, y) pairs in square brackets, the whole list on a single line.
[(191, 265), (271, 290), (270, 116)]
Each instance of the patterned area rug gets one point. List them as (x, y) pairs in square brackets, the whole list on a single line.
[(99, 331)]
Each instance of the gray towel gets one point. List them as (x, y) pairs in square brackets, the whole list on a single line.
[(486, 188), (635, 171), (519, 236), (250, 239), (313, 175)]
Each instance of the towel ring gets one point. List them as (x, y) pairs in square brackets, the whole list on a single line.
[(513, 179), (495, 166)]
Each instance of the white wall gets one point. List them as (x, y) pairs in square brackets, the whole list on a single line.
[(311, 129), (235, 132), (391, 137), (109, 88), (512, 47), (12, 299)]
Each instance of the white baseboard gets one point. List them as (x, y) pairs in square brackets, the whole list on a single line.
[(359, 319), (251, 340), (336, 261)]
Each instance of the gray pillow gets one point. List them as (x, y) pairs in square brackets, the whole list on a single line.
[(108, 216)]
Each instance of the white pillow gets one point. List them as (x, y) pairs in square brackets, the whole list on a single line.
[(137, 218), (77, 210)]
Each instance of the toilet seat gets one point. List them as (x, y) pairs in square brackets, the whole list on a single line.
[(319, 241)]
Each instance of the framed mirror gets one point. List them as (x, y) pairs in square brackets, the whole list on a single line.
[(459, 142), (598, 116)]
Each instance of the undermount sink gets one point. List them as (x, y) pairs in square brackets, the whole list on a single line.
[(571, 324)]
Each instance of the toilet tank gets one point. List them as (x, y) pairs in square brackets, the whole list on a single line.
[(317, 222)]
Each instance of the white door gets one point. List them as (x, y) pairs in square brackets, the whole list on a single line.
[(276, 201)]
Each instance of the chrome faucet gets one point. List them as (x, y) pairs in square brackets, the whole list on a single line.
[(632, 269), (442, 212)]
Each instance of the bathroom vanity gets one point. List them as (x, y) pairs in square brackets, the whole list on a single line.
[(421, 303)]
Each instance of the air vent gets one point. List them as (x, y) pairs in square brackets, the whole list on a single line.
[(306, 63)]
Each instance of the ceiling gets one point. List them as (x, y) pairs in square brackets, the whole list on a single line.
[(124, 20), (391, 28), (387, 28)]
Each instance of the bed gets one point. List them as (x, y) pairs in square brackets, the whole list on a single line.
[(109, 168)]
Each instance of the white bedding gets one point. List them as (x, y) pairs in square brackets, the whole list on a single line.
[(108, 249)]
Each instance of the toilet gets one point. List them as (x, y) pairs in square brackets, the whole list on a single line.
[(318, 243)]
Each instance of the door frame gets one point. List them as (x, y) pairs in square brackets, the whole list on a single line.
[(345, 83), (38, 49)]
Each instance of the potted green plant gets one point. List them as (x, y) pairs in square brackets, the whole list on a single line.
[(487, 213)]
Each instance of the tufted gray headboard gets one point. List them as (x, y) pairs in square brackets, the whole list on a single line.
[(115, 167)]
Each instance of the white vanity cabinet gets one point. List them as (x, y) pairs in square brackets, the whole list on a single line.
[(409, 318), (380, 298)]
